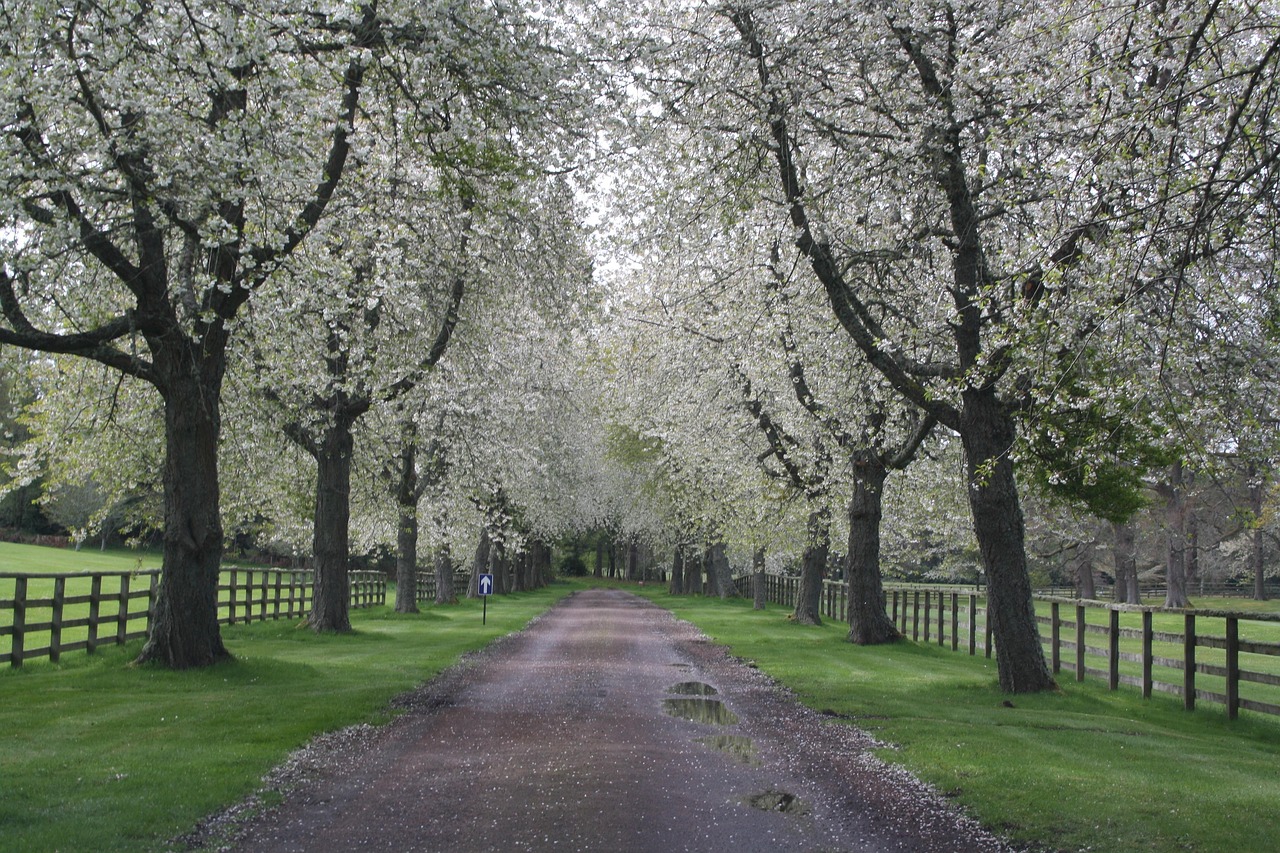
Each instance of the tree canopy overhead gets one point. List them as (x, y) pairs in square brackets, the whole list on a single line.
[(689, 272)]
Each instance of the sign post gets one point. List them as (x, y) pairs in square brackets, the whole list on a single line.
[(485, 587)]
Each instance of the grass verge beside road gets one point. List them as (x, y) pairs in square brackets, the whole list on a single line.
[(98, 755), (1083, 769)]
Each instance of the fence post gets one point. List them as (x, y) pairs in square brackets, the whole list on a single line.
[(1055, 637), (915, 615), (1233, 667), (1113, 648), (19, 620), (1146, 654), (927, 613), (955, 621), (942, 616), (95, 605), (1189, 662), (265, 589), (122, 618), (1079, 642), (55, 623), (973, 623)]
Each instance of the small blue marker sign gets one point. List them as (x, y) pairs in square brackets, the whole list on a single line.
[(485, 587)]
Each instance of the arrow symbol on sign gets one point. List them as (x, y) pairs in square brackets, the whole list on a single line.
[(486, 584)]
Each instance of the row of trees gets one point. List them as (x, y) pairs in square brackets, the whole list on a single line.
[(1045, 234), (274, 221), (320, 276)]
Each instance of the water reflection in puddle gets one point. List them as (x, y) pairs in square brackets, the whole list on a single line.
[(739, 746), (711, 711), (777, 801), (692, 688)]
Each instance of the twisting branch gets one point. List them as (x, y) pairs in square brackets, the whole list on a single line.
[(848, 308)]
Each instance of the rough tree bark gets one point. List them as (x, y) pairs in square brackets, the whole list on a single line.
[(988, 436), (445, 593), (407, 496), (479, 563), (757, 579), (720, 572), (1257, 552), (184, 628), (869, 623), (1085, 587), (1125, 555), (407, 562), (331, 551), (812, 568), (692, 572), (676, 586), (1174, 493)]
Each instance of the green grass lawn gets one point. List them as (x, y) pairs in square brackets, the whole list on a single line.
[(98, 755), (41, 560), (1083, 769)]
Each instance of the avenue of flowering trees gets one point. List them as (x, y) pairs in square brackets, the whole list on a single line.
[(1029, 222), (165, 162), (923, 287)]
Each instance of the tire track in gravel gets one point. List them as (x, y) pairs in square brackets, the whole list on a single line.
[(556, 738)]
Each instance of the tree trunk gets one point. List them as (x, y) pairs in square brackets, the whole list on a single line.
[(869, 624), (407, 533), (692, 573), (988, 436), (1257, 553), (633, 560), (1084, 572), (520, 572), (600, 548), (498, 567), (1176, 539), (709, 566), (184, 627), (677, 572), (757, 579), (808, 610), (331, 603), (444, 577), (479, 564), (1125, 554), (1084, 581), (718, 568), (407, 560)]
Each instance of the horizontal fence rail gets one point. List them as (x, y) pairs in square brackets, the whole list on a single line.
[(45, 615), (1202, 655)]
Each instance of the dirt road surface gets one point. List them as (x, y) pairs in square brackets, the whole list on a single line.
[(597, 729)]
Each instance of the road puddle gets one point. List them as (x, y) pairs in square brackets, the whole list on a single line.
[(777, 801), (738, 746), (692, 688), (711, 711)]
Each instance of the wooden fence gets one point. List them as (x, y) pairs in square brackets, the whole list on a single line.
[(1203, 659), (43, 616)]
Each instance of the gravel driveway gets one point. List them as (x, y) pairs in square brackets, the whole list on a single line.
[(606, 725)]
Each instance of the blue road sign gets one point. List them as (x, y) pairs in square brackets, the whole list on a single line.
[(486, 584)]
